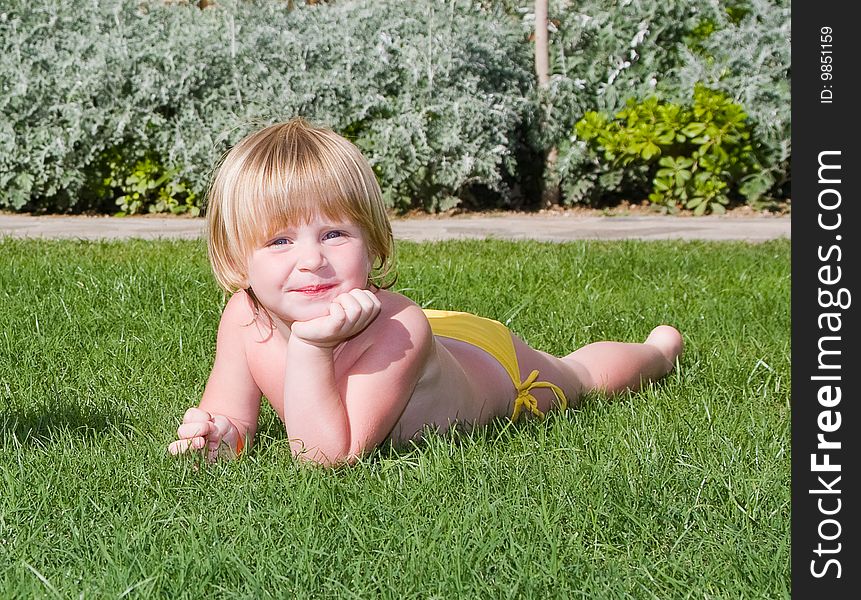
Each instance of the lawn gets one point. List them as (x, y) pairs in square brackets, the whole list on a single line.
[(679, 491)]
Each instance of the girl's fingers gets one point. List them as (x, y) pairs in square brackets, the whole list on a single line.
[(337, 315), (363, 298), (191, 430), (375, 299), (351, 305), (370, 307), (195, 415), (358, 306), (178, 447), (349, 314), (374, 305), (184, 445), (220, 426), (208, 434)]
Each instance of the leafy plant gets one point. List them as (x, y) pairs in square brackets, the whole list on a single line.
[(605, 52), (697, 156), (147, 185)]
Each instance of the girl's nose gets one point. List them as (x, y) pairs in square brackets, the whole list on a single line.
[(311, 258)]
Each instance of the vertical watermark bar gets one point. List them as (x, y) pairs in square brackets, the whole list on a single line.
[(825, 222)]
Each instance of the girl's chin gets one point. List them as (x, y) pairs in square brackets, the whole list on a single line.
[(305, 313)]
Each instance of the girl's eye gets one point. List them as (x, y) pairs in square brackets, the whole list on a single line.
[(279, 242), (331, 235)]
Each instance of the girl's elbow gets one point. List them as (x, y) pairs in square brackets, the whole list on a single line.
[(324, 457), (325, 460), (349, 456), (332, 451)]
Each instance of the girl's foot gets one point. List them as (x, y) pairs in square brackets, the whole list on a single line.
[(668, 341)]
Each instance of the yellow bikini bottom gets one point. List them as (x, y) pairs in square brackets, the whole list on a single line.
[(494, 338)]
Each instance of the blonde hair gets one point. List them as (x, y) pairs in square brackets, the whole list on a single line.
[(286, 174)]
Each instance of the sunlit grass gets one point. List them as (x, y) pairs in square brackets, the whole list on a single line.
[(681, 490)]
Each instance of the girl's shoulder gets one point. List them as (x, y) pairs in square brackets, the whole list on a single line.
[(239, 305), (241, 314), (397, 307), (401, 325)]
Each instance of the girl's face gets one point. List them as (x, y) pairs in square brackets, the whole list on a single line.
[(297, 273)]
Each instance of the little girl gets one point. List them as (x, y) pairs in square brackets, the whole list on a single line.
[(299, 236)]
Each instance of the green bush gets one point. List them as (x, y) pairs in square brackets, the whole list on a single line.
[(696, 156), (604, 53), (747, 57)]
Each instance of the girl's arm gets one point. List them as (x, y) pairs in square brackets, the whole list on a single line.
[(334, 416), (230, 405)]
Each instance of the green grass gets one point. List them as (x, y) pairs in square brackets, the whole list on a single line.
[(679, 491)]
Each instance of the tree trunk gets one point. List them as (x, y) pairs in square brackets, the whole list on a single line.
[(542, 53), (550, 193)]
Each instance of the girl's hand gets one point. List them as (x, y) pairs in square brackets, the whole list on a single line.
[(201, 430), (349, 314)]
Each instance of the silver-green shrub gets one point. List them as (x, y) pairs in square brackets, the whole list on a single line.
[(433, 91)]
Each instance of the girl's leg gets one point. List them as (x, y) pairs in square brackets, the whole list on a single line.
[(614, 367), (608, 366)]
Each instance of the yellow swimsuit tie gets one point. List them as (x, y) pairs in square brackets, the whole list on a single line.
[(524, 398)]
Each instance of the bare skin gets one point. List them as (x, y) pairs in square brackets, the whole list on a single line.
[(455, 382), (347, 369)]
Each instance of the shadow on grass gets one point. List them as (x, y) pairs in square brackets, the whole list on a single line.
[(497, 432), (46, 424), (272, 437)]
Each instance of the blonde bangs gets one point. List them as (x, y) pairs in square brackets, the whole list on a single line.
[(283, 176)]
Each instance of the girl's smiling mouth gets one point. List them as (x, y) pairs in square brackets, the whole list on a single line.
[(314, 290)]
